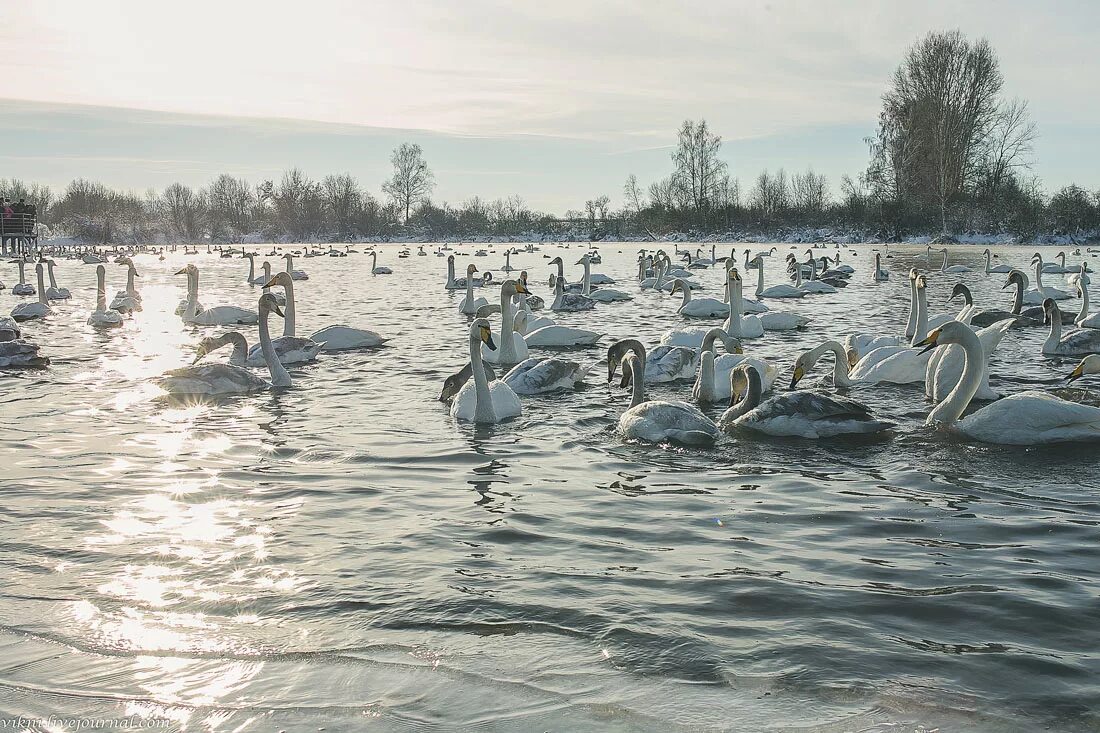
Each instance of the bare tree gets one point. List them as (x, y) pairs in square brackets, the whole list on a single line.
[(770, 196), (809, 193), (412, 180), (342, 201), (698, 168), (1010, 143)]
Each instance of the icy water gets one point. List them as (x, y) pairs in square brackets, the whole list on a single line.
[(344, 556)]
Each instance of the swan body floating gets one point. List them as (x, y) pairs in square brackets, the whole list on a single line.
[(553, 334), (698, 308), (9, 329), (880, 275), (1039, 293), (479, 400), (1025, 418), (802, 414), (375, 269), (222, 315), (33, 311), (1076, 343), (221, 379), (952, 268), (296, 274), (783, 290), (20, 353), (22, 288), (1083, 319), (569, 302), (990, 269), (53, 292), (712, 383), (603, 295), (102, 316), (655, 421), (544, 375)]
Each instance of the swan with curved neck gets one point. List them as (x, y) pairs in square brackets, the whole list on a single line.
[(654, 421), (479, 400), (1025, 418), (513, 347), (54, 292)]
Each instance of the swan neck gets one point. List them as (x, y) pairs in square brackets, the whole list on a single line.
[(101, 292), (41, 287), (953, 406), (637, 379), (921, 328), (288, 311), (279, 375), (483, 398)]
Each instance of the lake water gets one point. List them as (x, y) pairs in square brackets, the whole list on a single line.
[(345, 556)]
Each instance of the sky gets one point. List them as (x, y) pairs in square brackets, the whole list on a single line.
[(557, 102)]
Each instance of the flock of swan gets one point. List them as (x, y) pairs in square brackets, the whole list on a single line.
[(949, 354)]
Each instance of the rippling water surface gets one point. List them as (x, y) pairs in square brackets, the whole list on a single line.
[(343, 555)]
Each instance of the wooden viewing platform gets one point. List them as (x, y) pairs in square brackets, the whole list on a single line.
[(18, 233)]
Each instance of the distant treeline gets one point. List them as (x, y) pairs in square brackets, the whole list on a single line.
[(950, 154)]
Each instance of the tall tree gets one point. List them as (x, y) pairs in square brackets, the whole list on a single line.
[(412, 180), (698, 168)]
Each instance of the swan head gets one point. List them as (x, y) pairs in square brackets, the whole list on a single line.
[(744, 378), (556, 261), (618, 351), (1050, 311), (952, 332), (280, 278), (268, 304), (961, 289), (480, 331), (913, 273), (677, 285), (470, 269), (512, 287), (454, 383), (1016, 277), (1089, 365), (186, 270)]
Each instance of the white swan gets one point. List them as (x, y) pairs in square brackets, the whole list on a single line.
[(128, 300), (953, 268), (53, 292), (478, 400), (603, 295), (296, 274), (1039, 293), (469, 303), (1025, 418), (375, 269), (1084, 320), (220, 379), (102, 316), (814, 286), (289, 348), (1075, 343), (896, 364), (989, 269), (697, 308), (782, 290), (880, 275), (22, 288), (252, 278), (553, 335), (222, 315), (738, 325), (802, 414), (33, 311), (513, 347), (712, 382), (655, 421), (945, 365)]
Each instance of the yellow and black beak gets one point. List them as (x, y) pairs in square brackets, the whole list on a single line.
[(799, 372), (182, 271), (487, 337), (273, 282), (930, 342), (1077, 373), (277, 310), (522, 289)]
